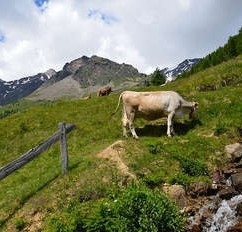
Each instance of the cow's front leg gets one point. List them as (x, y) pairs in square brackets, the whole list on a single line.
[(131, 125), (170, 130)]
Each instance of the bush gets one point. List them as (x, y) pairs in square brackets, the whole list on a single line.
[(193, 167), (158, 78), (20, 224), (66, 221), (219, 130), (155, 148), (137, 209)]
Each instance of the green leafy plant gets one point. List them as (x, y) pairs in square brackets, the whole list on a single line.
[(219, 130), (155, 148), (138, 209), (158, 78), (193, 167), (20, 224)]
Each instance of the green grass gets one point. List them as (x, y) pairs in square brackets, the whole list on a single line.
[(39, 187)]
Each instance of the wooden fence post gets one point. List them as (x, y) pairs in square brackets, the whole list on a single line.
[(36, 151), (63, 147)]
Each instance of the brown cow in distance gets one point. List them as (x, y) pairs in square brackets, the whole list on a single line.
[(105, 91)]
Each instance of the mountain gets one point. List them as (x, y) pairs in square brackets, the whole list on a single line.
[(14, 90), (78, 78), (172, 73), (84, 76), (81, 77)]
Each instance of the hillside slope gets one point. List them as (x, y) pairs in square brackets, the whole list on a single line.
[(38, 197)]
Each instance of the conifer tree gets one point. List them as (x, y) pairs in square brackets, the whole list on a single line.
[(158, 78)]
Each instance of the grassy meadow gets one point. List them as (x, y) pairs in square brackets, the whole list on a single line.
[(38, 197)]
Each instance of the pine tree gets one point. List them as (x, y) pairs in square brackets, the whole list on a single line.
[(158, 78)]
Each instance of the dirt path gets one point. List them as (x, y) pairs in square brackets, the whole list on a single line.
[(112, 153)]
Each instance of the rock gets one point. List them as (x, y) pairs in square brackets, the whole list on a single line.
[(228, 172), (189, 210), (239, 209), (234, 152), (218, 177), (237, 181), (239, 164), (218, 181), (236, 228), (198, 189), (177, 193), (195, 228), (227, 193)]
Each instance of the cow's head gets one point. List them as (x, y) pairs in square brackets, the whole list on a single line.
[(193, 112)]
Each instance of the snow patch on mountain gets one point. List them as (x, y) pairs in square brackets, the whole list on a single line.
[(172, 73)]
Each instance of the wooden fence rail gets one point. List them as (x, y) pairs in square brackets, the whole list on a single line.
[(34, 152)]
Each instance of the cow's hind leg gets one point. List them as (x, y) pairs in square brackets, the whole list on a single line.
[(170, 129), (131, 125)]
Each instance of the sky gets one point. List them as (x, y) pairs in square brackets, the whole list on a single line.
[(36, 35)]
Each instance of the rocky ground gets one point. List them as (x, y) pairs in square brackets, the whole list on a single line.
[(200, 201), (203, 201)]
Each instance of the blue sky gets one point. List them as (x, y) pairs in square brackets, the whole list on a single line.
[(99, 15), (41, 4), (2, 37), (36, 35)]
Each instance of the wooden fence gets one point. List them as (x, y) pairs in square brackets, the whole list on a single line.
[(34, 152)]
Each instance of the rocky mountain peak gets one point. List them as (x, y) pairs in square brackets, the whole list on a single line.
[(172, 73), (50, 73), (74, 65)]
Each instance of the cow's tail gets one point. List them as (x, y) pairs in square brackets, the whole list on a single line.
[(120, 97)]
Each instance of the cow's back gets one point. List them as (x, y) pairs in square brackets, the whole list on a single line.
[(150, 105)]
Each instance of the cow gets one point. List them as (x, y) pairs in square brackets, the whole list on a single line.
[(105, 91), (152, 106)]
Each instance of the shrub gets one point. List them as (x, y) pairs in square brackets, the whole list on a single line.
[(219, 130), (193, 167), (138, 209), (66, 221), (158, 78), (20, 224), (155, 148)]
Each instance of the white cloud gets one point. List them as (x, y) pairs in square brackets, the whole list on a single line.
[(186, 4), (36, 35)]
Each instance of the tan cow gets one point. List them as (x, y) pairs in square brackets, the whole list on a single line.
[(153, 105), (105, 91)]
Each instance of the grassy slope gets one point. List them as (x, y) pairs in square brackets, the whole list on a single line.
[(38, 189)]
